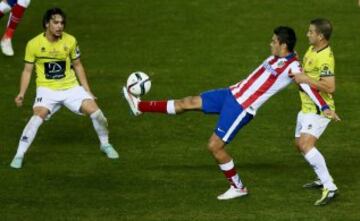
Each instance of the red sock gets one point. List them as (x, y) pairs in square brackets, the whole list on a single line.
[(153, 106), (230, 175), (17, 13)]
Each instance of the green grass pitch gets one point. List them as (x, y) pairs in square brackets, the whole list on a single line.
[(164, 171)]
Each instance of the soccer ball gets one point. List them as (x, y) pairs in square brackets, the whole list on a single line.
[(138, 83)]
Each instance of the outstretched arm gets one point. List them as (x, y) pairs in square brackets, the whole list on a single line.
[(325, 84), (312, 87), (319, 101), (24, 83)]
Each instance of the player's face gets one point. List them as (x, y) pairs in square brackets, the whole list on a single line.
[(275, 46), (313, 36), (55, 27)]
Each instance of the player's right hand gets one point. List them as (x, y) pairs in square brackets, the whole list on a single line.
[(331, 115), (19, 100)]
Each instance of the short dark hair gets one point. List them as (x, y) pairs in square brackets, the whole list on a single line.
[(323, 26), (50, 13), (286, 35)]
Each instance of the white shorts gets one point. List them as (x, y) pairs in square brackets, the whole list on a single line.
[(52, 100), (310, 123)]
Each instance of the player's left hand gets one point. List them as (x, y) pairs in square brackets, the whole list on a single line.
[(19, 99), (299, 78), (331, 115)]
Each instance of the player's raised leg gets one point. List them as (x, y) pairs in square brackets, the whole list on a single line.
[(191, 103), (17, 13), (100, 124), (28, 135)]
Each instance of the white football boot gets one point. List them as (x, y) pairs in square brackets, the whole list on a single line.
[(6, 47), (17, 162), (232, 193), (132, 101)]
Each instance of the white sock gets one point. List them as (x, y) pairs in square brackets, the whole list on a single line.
[(28, 135), (231, 174), (24, 3), (4, 7), (317, 161), (170, 107), (100, 125)]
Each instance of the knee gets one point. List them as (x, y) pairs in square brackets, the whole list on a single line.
[(214, 146), (41, 112), (303, 146), (89, 107)]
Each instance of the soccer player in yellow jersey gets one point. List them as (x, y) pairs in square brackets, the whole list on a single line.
[(55, 56), (318, 64)]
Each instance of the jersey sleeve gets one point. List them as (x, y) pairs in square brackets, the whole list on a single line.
[(310, 91), (75, 51), (326, 65), (295, 67), (314, 96), (29, 53)]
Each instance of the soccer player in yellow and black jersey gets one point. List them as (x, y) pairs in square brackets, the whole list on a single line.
[(60, 81), (318, 65)]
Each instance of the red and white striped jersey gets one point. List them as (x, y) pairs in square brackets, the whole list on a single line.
[(268, 79)]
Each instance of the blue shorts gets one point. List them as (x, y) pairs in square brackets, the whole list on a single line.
[(232, 116), (11, 2)]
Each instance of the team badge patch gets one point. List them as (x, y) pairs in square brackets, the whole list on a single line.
[(325, 71), (281, 64)]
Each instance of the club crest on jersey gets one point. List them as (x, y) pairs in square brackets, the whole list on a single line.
[(280, 64), (268, 67)]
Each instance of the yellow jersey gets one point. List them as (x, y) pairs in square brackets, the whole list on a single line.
[(53, 61), (317, 64)]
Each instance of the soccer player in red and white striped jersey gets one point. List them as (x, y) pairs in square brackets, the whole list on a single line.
[(238, 104), (16, 9)]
